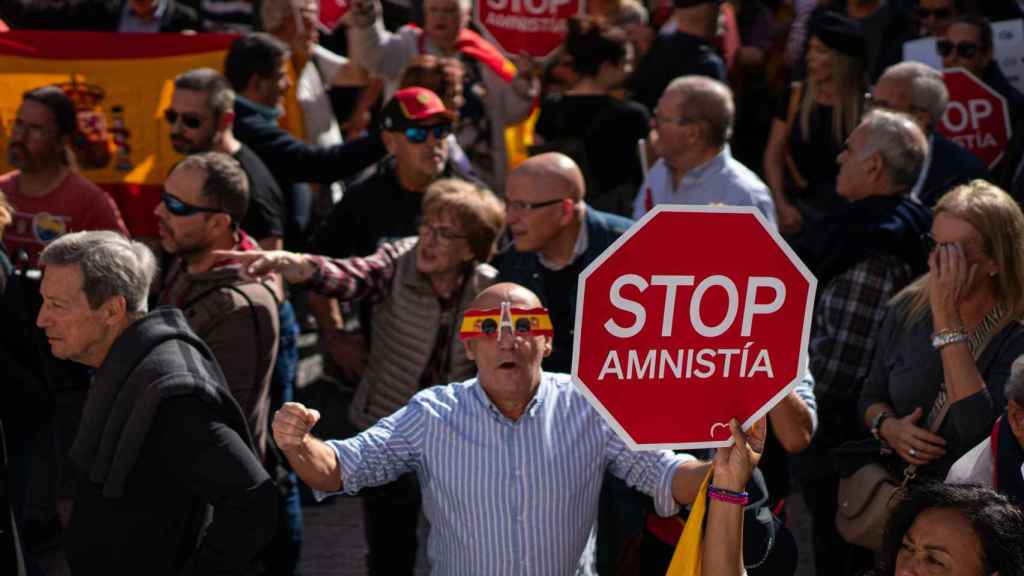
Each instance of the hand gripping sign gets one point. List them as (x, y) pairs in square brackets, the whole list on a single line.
[(696, 315)]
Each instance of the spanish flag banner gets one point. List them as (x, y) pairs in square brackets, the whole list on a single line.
[(120, 84)]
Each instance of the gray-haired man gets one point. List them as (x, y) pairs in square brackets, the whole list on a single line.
[(161, 439)]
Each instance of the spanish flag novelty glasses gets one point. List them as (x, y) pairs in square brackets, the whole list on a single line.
[(491, 323)]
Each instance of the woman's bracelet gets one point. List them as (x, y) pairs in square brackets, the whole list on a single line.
[(944, 338), (723, 495)]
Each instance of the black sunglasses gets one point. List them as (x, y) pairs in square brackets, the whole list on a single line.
[(964, 49), (191, 121), (181, 208), (418, 134), (938, 13)]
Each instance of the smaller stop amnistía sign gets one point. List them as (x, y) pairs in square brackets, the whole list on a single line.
[(695, 316)]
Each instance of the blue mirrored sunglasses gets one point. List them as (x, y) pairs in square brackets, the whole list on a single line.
[(418, 134), (182, 208)]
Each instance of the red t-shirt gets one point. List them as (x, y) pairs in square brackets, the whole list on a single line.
[(76, 204)]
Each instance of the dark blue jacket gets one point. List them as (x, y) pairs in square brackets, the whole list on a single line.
[(524, 268), (951, 165), (292, 160)]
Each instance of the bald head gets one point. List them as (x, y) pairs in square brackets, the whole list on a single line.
[(515, 294), (553, 171)]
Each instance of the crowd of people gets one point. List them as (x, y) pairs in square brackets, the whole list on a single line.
[(361, 183)]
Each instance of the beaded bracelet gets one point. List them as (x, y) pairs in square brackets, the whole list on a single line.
[(723, 495)]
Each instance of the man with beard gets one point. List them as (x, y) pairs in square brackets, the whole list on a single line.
[(201, 118), (204, 199), (49, 198)]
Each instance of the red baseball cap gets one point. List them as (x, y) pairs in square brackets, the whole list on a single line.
[(412, 107)]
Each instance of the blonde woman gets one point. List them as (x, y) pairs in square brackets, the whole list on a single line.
[(950, 337), (812, 124)]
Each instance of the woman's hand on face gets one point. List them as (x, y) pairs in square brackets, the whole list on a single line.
[(914, 444), (949, 277)]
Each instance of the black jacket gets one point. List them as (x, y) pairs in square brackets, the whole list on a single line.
[(292, 160), (951, 165), (161, 441)]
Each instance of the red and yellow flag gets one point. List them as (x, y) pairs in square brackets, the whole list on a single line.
[(121, 84)]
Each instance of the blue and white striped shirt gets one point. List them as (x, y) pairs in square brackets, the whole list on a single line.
[(503, 496)]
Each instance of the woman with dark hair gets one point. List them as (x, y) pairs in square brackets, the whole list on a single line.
[(590, 125), (961, 530)]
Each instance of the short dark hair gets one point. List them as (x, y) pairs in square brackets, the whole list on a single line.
[(591, 42), (226, 184), (59, 104), (220, 98), (997, 522), (255, 54), (983, 25)]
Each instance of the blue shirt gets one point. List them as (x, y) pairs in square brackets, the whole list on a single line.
[(503, 496), (720, 180)]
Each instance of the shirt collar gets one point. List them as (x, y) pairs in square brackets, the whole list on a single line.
[(712, 166), (582, 242), (532, 407), (270, 113)]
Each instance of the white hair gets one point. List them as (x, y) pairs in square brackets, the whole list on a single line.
[(111, 265), (900, 142), (927, 90)]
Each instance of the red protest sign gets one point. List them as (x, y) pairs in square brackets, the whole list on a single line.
[(537, 27), (695, 316), (977, 116), (332, 11)]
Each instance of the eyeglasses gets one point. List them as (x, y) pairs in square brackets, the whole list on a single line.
[(418, 134), (490, 323), (181, 208), (938, 13), (520, 206), (945, 48), (191, 121), (439, 233), (928, 241)]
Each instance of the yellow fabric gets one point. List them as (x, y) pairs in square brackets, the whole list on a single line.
[(292, 120), (518, 139), (140, 87), (687, 557)]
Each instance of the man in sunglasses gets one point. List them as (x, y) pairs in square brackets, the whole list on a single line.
[(935, 16), (49, 198), (967, 44), (204, 199), (917, 90), (201, 118), (415, 127), (510, 462)]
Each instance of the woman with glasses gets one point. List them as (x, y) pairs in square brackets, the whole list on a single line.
[(950, 337), (419, 287), (811, 125)]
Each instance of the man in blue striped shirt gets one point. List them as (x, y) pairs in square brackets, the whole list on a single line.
[(510, 463)]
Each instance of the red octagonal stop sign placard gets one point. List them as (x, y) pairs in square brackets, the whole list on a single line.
[(695, 316), (537, 27), (977, 116)]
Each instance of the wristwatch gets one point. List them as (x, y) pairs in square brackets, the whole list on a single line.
[(944, 338), (876, 424)]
